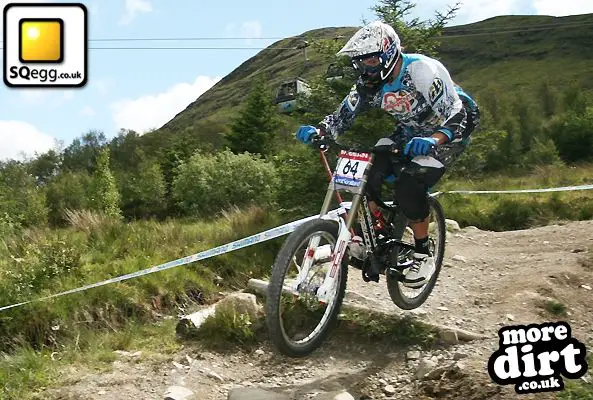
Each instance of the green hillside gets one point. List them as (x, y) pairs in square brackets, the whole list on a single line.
[(507, 53)]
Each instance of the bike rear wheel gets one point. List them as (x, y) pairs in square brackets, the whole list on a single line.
[(438, 232), (278, 321)]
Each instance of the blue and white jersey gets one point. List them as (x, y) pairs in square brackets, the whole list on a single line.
[(423, 99)]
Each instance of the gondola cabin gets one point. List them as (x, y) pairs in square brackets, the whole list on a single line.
[(286, 97)]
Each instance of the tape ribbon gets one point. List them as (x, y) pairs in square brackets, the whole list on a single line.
[(261, 237)]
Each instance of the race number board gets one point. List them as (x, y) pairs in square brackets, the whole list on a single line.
[(350, 169)]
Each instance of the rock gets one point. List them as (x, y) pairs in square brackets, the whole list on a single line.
[(458, 355), (449, 336), (255, 394), (338, 395), (178, 365), (128, 354), (211, 374), (260, 352), (242, 303), (436, 373), (457, 257), (442, 309), (344, 396), (452, 225), (448, 265), (425, 367), (178, 393), (586, 287), (413, 355), (389, 390), (459, 365), (418, 312), (510, 317)]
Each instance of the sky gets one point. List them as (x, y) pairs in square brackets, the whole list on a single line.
[(143, 89)]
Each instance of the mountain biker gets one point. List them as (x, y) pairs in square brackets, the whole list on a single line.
[(435, 119)]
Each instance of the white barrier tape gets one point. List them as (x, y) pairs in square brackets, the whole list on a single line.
[(545, 190), (262, 237), (225, 248)]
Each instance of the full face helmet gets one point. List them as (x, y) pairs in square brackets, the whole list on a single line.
[(374, 50)]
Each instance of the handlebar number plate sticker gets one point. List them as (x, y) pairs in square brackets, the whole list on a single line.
[(351, 167)]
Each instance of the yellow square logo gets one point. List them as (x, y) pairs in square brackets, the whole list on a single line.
[(41, 40)]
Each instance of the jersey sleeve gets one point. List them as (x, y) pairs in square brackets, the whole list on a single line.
[(342, 119), (437, 87)]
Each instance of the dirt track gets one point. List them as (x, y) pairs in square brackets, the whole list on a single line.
[(504, 280)]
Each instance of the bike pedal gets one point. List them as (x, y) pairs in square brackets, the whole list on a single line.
[(367, 278), (395, 273)]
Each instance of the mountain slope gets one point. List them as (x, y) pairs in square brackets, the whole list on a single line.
[(507, 53)]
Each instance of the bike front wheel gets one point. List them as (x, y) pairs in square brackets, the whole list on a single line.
[(292, 311)]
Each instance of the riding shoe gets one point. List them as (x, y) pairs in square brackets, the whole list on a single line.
[(420, 271)]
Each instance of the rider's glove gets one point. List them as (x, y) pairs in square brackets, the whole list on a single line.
[(420, 146), (305, 133)]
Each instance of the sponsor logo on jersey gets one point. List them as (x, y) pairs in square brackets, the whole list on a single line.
[(400, 102), (436, 90)]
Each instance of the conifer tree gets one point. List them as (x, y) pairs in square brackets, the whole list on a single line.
[(254, 128)]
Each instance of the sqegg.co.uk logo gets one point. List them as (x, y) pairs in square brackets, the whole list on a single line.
[(45, 45)]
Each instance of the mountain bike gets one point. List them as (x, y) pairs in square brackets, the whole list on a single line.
[(328, 245)]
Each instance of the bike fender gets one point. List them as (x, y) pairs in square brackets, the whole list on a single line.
[(343, 232), (335, 216)]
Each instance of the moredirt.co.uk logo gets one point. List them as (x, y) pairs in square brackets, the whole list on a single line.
[(535, 357), (45, 45)]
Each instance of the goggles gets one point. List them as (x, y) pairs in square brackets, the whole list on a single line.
[(369, 65)]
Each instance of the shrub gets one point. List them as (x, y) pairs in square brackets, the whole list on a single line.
[(303, 181), (68, 190), (142, 190), (207, 184), (20, 198), (573, 136), (39, 264), (489, 150), (542, 152)]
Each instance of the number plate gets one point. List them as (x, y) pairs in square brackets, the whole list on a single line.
[(350, 168)]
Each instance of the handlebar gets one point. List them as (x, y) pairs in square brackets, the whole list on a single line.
[(324, 142)]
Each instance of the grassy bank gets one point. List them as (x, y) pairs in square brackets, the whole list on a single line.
[(87, 327), (25, 372), (500, 212)]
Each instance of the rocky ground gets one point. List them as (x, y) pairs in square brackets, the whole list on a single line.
[(489, 280)]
